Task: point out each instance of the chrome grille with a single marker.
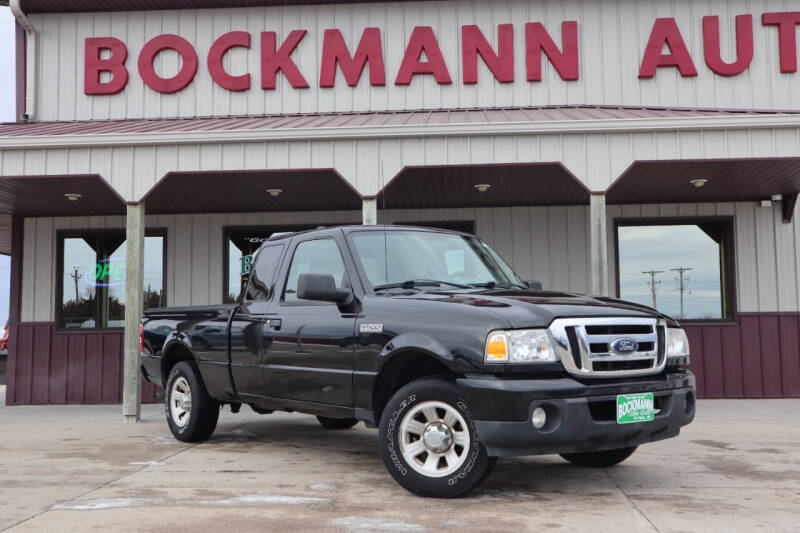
(585, 345)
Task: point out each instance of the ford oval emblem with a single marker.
(624, 346)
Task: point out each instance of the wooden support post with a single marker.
(134, 296)
(369, 211)
(598, 253)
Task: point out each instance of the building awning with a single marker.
(520, 120)
(721, 180)
(483, 186)
(252, 191)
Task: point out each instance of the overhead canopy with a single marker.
(509, 185)
(728, 180)
(50, 196)
(247, 191)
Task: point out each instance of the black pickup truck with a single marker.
(431, 337)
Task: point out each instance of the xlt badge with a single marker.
(371, 328)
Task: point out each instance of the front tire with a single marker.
(603, 459)
(429, 442)
(337, 423)
(191, 413)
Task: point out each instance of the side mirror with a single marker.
(535, 285)
(322, 288)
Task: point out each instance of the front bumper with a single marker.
(580, 417)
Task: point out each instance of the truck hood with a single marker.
(528, 308)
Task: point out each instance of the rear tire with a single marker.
(603, 459)
(337, 423)
(191, 413)
(429, 442)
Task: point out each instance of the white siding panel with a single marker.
(548, 244)
(612, 38)
(766, 259)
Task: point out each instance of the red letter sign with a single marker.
(218, 51)
(666, 32)
(272, 61)
(787, 38)
(334, 50)
(422, 40)
(167, 42)
(93, 65)
(744, 45)
(474, 44)
(537, 40)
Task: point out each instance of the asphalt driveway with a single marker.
(737, 468)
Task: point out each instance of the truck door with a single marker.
(247, 334)
(311, 356)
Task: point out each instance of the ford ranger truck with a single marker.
(431, 337)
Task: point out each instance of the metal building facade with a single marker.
(609, 134)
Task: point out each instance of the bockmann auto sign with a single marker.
(107, 67)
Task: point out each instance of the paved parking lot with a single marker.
(737, 468)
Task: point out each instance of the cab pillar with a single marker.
(369, 211)
(598, 246)
(134, 296)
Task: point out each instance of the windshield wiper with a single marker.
(498, 284)
(417, 283)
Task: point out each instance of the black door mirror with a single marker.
(322, 288)
(535, 285)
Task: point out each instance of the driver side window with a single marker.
(319, 256)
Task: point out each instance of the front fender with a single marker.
(458, 357)
(417, 342)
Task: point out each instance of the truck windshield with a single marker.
(421, 259)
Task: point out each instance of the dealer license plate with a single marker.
(632, 408)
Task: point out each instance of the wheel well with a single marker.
(175, 354)
(401, 370)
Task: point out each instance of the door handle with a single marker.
(274, 324)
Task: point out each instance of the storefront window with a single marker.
(92, 272)
(682, 269)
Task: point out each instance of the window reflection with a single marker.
(241, 244)
(678, 269)
(93, 278)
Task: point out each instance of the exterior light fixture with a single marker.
(482, 187)
(72, 196)
(274, 192)
(777, 197)
(698, 182)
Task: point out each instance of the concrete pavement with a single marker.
(736, 468)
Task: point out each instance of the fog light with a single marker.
(539, 418)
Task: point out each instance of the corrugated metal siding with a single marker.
(544, 243)
(613, 36)
(767, 250)
(47, 367)
(5, 234)
(758, 356)
(548, 244)
(58, 6)
(596, 159)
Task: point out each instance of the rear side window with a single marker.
(314, 257)
(260, 285)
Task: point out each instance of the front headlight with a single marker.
(677, 343)
(520, 346)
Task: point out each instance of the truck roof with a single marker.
(322, 230)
